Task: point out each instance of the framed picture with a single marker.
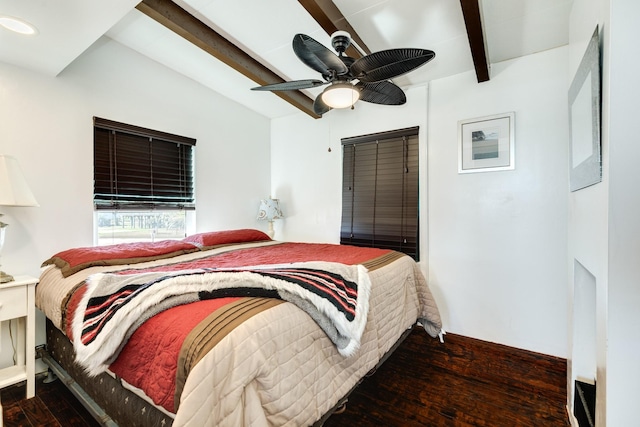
(584, 120)
(486, 144)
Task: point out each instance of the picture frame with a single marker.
(487, 144)
(585, 155)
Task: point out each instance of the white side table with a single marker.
(17, 301)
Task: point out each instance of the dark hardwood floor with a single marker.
(463, 382)
(53, 405)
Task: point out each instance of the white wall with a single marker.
(47, 124)
(498, 239)
(588, 217)
(623, 369)
(604, 230)
(493, 245)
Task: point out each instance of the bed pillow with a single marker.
(73, 260)
(216, 238)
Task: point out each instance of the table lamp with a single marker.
(269, 211)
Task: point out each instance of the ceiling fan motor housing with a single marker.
(340, 40)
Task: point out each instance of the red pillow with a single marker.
(217, 238)
(73, 260)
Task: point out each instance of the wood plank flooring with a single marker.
(53, 406)
(463, 382)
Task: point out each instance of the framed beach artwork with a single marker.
(486, 144)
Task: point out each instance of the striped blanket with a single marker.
(335, 295)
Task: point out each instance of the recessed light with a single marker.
(17, 25)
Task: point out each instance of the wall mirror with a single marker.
(584, 119)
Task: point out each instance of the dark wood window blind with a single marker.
(138, 168)
(380, 191)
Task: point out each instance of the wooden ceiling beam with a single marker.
(473, 22)
(195, 31)
(327, 14)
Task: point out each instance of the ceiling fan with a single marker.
(349, 79)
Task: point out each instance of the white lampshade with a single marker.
(340, 95)
(269, 210)
(14, 190)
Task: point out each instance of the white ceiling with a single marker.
(66, 28)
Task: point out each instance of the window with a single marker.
(115, 226)
(380, 191)
(143, 183)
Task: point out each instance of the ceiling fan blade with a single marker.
(294, 85)
(318, 57)
(319, 107)
(383, 92)
(387, 64)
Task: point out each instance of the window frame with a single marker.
(174, 178)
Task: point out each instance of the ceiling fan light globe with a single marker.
(340, 95)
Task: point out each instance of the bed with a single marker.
(227, 328)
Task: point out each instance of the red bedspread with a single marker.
(278, 254)
(149, 359)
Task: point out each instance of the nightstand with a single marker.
(17, 301)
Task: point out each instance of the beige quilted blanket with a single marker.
(294, 374)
